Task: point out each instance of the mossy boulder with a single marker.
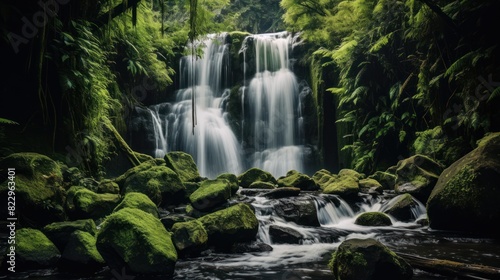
(120, 180)
(160, 183)
(137, 241)
(170, 220)
(386, 179)
(138, 201)
(346, 184)
(34, 250)
(233, 181)
(373, 219)
(60, 232)
(262, 186)
(108, 186)
(296, 179)
(38, 183)
(368, 259)
(351, 173)
(86, 204)
(369, 185)
(255, 175)
(402, 208)
(321, 176)
(191, 187)
(230, 225)
(184, 165)
(190, 237)
(467, 194)
(81, 254)
(210, 194)
(417, 175)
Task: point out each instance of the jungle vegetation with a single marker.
(407, 76)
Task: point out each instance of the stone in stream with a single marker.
(401, 207)
(296, 179)
(373, 219)
(255, 175)
(81, 254)
(346, 184)
(169, 221)
(467, 194)
(284, 235)
(183, 164)
(60, 232)
(136, 240)
(387, 180)
(300, 210)
(189, 238)
(34, 250)
(138, 201)
(210, 194)
(370, 185)
(282, 192)
(262, 185)
(368, 259)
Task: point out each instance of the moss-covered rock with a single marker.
(81, 253)
(120, 180)
(138, 201)
(320, 176)
(296, 179)
(88, 204)
(60, 232)
(184, 165)
(368, 185)
(189, 237)
(210, 194)
(34, 250)
(170, 220)
(262, 186)
(344, 186)
(162, 185)
(233, 181)
(373, 219)
(467, 193)
(401, 207)
(191, 187)
(417, 175)
(230, 225)
(255, 175)
(108, 186)
(351, 173)
(387, 180)
(136, 240)
(368, 259)
(38, 187)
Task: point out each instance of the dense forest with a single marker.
(383, 114)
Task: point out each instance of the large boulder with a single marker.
(386, 179)
(210, 194)
(284, 235)
(368, 259)
(81, 253)
(233, 181)
(345, 184)
(370, 185)
(34, 250)
(138, 201)
(255, 175)
(467, 194)
(373, 219)
(162, 185)
(189, 237)
(300, 210)
(296, 179)
(86, 204)
(417, 175)
(403, 208)
(60, 232)
(120, 180)
(170, 220)
(231, 225)
(37, 181)
(184, 165)
(137, 241)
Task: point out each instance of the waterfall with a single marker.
(331, 213)
(275, 114)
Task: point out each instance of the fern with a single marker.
(7, 122)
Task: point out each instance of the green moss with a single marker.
(138, 240)
(233, 181)
(108, 186)
(387, 180)
(120, 180)
(189, 235)
(89, 204)
(34, 248)
(373, 219)
(351, 173)
(342, 185)
(184, 165)
(211, 193)
(82, 249)
(60, 232)
(255, 175)
(296, 179)
(262, 185)
(370, 183)
(138, 201)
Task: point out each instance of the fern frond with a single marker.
(6, 121)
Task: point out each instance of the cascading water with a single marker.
(213, 145)
(273, 98)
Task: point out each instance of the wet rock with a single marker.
(228, 226)
(136, 240)
(59, 233)
(108, 186)
(250, 247)
(34, 250)
(210, 194)
(300, 210)
(296, 179)
(387, 180)
(262, 186)
(282, 192)
(81, 254)
(183, 164)
(255, 175)
(159, 183)
(189, 238)
(467, 193)
(370, 185)
(284, 235)
(373, 219)
(120, 180)
(400, 207)
(138, 201)
(368, 259)
(417, 175)
(233, 181)
(169, 221)
(38, 187)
